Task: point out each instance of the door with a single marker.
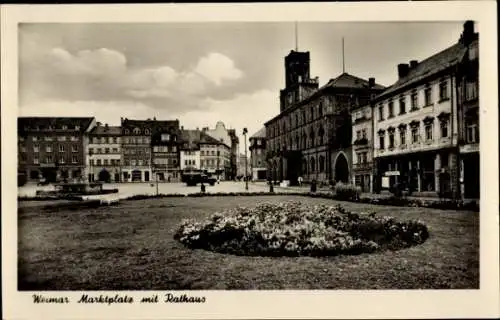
(146, 176)
(117, 177)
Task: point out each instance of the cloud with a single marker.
(217, 67)
(103, 75)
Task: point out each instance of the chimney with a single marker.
(371, 82)
(98, 124)
(182, 127)
(413, 64)
(468, 33)
(403, 69)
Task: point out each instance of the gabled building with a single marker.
(258, 163)
(136, 149)
(53, 148)
(311, 136)
(165, 140)
(189, 148)
(104, 154)
(416, 123)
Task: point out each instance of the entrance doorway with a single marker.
(341, 169)
(471, 176)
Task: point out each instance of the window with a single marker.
(48, 139)
(414, 101)
(74, 138)
(147, 131)
(165, 137)
(471, 90)
(185, 162)
(23, 149)
(35, 148)
(428, 95)
(137, 131)
(380, 113)
(358, 135)
(391, 139)
(48, 149)
(444, 129)
(115, 150)
(133, 162)
(443, 90)
(428, 131)
(61, 148)
(402, 105)
(106, 150)
(174, 149)
(391, 109)
(35, 160)
(95, 140)
(65, 127)
(414, 135)
(77, 128)
(312, 165)
(402, 136)
(363, 134)
(140, 162)
(381, 141)
(61, 138)
(105, 162)
(320, 111)
(202, 153)
(98, 162)
(74, 148)
(35, 139)
(117, 161)
(99, 150)
(472, 132)
(321, 164)
(62, 160)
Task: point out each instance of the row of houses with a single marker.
(136, 151)
(421, 132)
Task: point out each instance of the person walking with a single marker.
(300, 181)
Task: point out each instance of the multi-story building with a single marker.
(136, 150)
(165, 144)
(258, 163)
(311, 136)
(228, 139)
(189, 148)
(214, 156)
(53, 148)
(468, 114)
(104, 154)
(362, 150)
(415, 123)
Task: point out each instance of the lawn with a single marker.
(131, 247)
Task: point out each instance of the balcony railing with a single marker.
(363, 165)
(361, 142)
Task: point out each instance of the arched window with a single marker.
(304, 166)
(312, 136)
(321, 134)
(137, 131)
(320, 110)
(126, 131)
(146, 131)
(297, 141)
(312, 165)
(321, 163)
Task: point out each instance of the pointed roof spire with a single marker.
(296, 36)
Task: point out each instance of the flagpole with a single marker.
(343, 56)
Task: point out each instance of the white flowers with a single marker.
(290, 228)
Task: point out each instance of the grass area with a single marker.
(131, 247)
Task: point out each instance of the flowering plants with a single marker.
(293, 229)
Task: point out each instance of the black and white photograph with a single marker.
(185, 156)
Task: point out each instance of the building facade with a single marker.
(229, 139)
(104, 154)
(136, 150)
(53, 149)
(362, 150)
(214, 157)
(258, 164)
(244, 169)
(234, 160)
(468, 115)
(311, 137)
(189, 149)
(165, 140)
(416, 125)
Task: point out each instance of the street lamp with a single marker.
(245, 131)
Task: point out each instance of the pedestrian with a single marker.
(300, 181)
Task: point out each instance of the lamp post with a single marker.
(90, 165)
(245, 131)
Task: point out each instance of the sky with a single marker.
(201, 73)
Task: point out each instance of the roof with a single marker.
(207, 139)
(346, 80)
(190, 139)
(428, 67)
(106, 130)
(343, 81)
(259, 134)
(150, 123)
(57, 123)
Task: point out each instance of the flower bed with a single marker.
(293, 229)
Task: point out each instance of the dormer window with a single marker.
(147, 131)
(77, 128)
(126, 131)
(65, 127)
(137, 131)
